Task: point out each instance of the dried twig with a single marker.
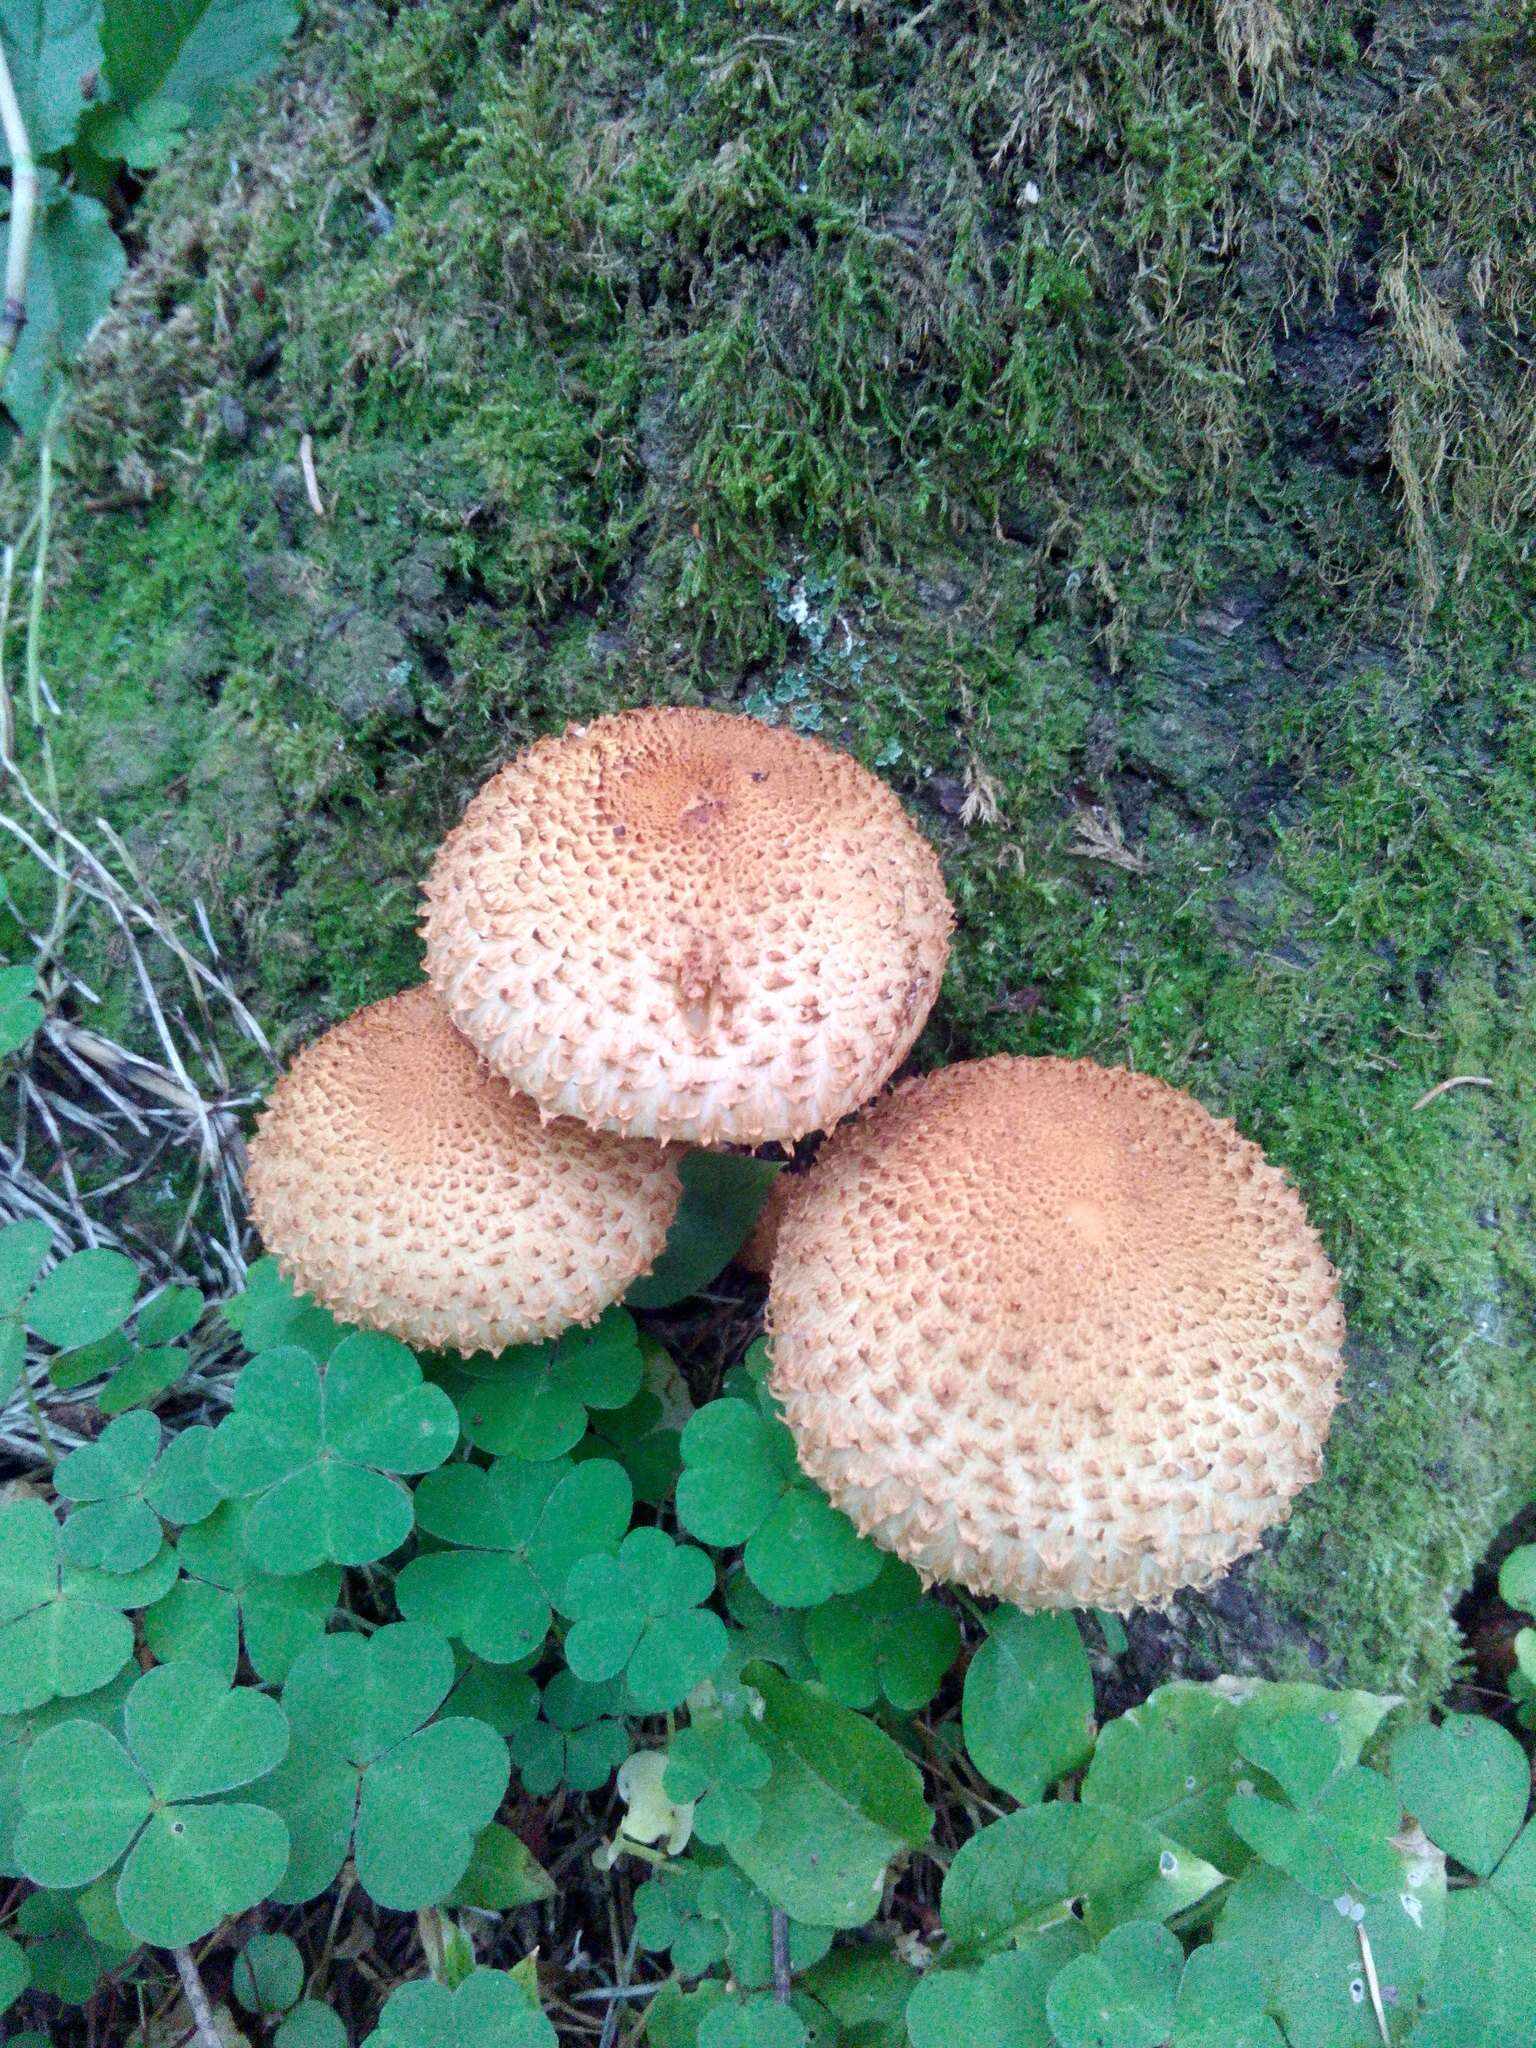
(1456, 1081)
(18, 255)
(311, 481)
(197, 1999)
(781, 1971)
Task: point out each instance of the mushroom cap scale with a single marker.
(688, 925)
(1054, 1331)
(408, 1189)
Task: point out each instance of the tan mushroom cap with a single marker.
(408, 1189)
(757, 1254)
(1055, 1332)
(688, 925)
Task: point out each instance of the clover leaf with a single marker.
(116, 1530)
(269, 1313)
(644, 1434)
(85, 1298)
(20, 1012)
(1123, 1994)
(705, 1913)
(72, 1940)
(62, 1628)
(1027, 1710)
(23, 1248)
(371, 1769)
(18, 1732)
(759, 2022)
(717, 1765)
(490, 2009)
(142, 1378)
(517, 1530)
(189, 1858)
(179, 1490)
(1466, 1783)
(639, 1613)
(1001, 2000)
(268, 1975)
(887, 1639)
(532, 1401)
(1307, 1950)
(310, 2025)
(740, 1484)
(497, 1694)
(318, 1448)
(15, 1971)
(224, 1596)
(576, 1742)
(1221, 2005)
(1337, 1840)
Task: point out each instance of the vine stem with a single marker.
(197, 1998)
(13, 316)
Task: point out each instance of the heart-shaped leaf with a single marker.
(58, 1633)
(1027, 1710)
(1467, 1783)
(1122, 1995)
(1342, 1844)
(842, 1800)
(23, 1248)
(741, 1484)
(488, 2010)
(1172, 1762)
(1000, 2001)
(269, 1974)
(117, 1530)
(889, 1639)
(532, 1402)
(723, 1193)
(279, 1616)
(86, 1297)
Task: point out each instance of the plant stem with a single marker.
(781, 1971)
(13, 316)
(45, 1442)
(197, 1999)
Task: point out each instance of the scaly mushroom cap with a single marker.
(1054, 1331)
(757, 1254)
(688, 925)
(408, 1189)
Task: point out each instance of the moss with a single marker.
(1106, 421)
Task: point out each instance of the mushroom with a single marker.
(756, 1255)
(408, 1189)
(1054, 1331)
(688, 925)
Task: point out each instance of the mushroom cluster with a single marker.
(666, 926)
(1045, 1328)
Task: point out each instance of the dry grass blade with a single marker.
(93, 1119)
